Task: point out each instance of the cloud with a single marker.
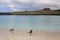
(24, 1)
(5, 1)
(39, 4)
(17, 5)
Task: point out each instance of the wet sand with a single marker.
(24, 35)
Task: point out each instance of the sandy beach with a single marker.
(24, 35)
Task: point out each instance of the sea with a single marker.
(35, 22)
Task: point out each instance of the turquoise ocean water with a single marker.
(35, 22)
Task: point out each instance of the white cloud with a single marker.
(5, 1)
(24, 1)
(54, 4)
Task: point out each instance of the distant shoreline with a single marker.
(45, 11)
(25, 14)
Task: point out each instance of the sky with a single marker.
(22, 5)
(41, 23)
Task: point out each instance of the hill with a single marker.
(45, 11)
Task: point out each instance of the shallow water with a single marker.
(35, 22)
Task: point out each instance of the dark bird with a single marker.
(30, 32)
(12, 29)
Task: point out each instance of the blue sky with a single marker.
(42, 23)
(20, 5)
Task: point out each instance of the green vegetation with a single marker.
(45, 11)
